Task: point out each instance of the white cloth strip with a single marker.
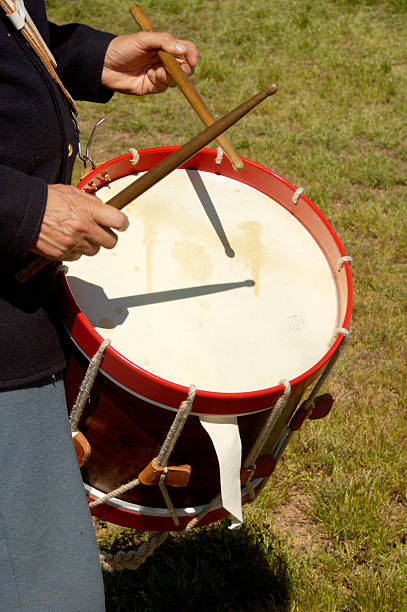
(225, 436)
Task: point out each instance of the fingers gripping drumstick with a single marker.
(187, 88)
(167, 165)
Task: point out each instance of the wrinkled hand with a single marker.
(132, 65)
(76, 223)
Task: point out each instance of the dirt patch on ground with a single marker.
(293, 519)
(103, 528)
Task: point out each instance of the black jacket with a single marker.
(35, 132)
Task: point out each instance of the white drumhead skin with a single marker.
(174, 303)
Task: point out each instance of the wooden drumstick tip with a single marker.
(271, 88)
(237, 165)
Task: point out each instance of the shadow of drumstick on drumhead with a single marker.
(210, 209)
(109, 312)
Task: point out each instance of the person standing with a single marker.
(48, 552)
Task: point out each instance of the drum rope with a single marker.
(308, 405)
(79, 406)
(342, 260)
(115, 493)
(309, 402)
(296, 195)
(135, 156)
(219, 156)
(250, 488)
(176, 427)
(132, 559)
(167, 498)
(168, 446)
(87, 385)
(164, 454)
(208, 508)
(264, 434)
(253, 454)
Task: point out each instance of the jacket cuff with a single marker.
(22, 205)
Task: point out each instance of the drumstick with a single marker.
(187, 88)
(188, 150)
(166, 166)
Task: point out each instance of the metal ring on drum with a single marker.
(221, 281)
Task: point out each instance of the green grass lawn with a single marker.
(329, 531)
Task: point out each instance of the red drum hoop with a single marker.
(147, 392)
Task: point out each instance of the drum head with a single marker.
(214, 284)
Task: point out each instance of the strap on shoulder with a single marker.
(17, 13)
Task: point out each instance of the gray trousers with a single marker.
(48, 552)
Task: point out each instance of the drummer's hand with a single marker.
(132, 65)
(76, 223)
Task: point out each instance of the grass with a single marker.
(201, 572)
(329, 531)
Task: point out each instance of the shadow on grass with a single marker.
(213, 569)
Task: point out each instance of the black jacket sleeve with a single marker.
(38, 143)
(22, 209)
(35, 127)
(79, 51)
